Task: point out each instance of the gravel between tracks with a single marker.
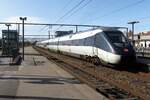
(132, 82)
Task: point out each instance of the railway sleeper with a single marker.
(111, 91)
(118, 95)
(104, 85)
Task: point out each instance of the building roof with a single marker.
(11, 31)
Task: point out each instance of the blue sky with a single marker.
(99, 12)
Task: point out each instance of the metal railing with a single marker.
(143, 52)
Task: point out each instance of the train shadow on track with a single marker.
(134, 68)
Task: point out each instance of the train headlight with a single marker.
(126, 50)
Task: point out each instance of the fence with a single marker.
(143, 52)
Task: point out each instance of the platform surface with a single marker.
(39, 79)
(144, 60)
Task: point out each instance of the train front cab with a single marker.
(122, 47)
(114, 48)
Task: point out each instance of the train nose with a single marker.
(128, 59)
(128, 56)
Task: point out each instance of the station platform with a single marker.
(144, 60)
(39, 79)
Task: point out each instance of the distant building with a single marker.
(10, 40)
(62, 33)
(142, 40)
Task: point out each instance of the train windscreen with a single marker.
(116, 37)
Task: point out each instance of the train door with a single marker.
(57, 44)
(95, 49)
(70, 44)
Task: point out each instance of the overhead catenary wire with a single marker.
(140, 19)
(144, 18)
(75, 11)
(114, 11)
(77, 5)
(43, 28)
(143, 21)
(64, 7)
(118, 10)
(57, 28)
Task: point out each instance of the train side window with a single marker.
(92, 40)
(53, 43)
(89, 41)
(69, 42)
(86, 42)
(63, 42)
(75, 42)
(72, 42)
(101, 42)
(141, 45)
(149, 45)
(60, 43)
(81, 42)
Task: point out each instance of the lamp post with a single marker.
(23, 19)
(76, 28)
(49, 32)
(8, 25)
(132, 23)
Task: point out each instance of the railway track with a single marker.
(114, 84)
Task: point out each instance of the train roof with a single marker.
(102, 28)
(84, 34)
(95, 30)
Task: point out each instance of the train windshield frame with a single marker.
(116, 37)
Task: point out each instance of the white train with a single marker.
(97, 45)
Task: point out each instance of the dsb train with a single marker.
(108, 46)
